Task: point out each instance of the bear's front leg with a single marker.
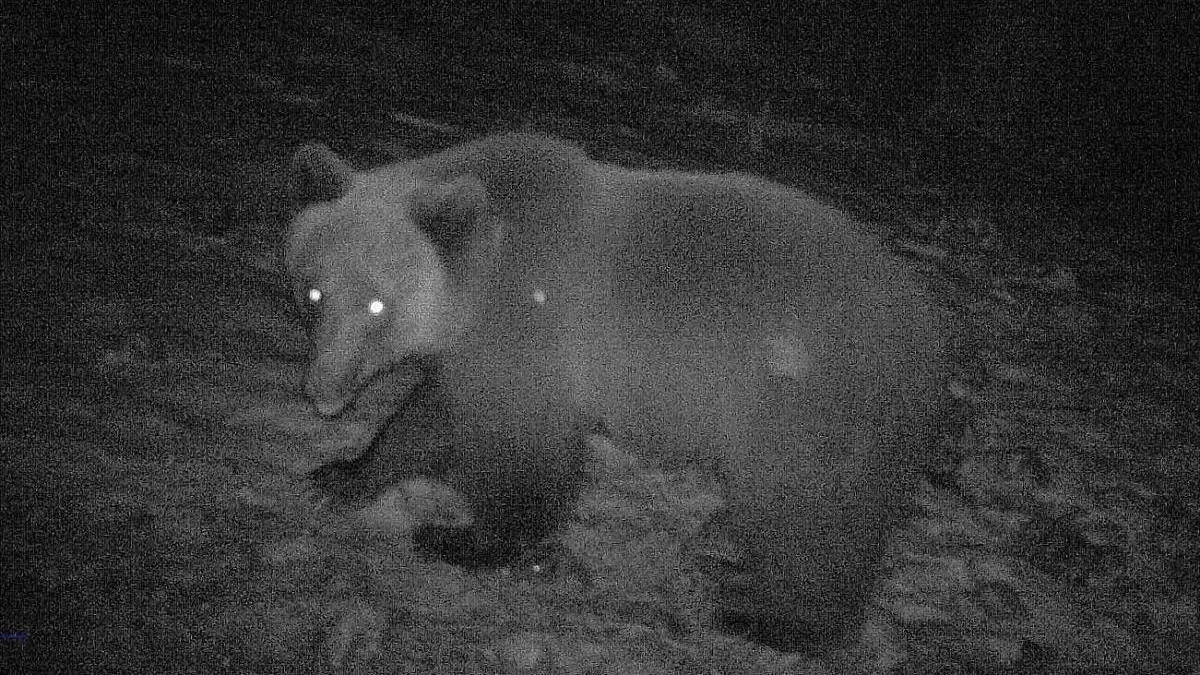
(521, 489)
(414, 442)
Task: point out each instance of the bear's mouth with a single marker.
(339, 395)
(331, 398)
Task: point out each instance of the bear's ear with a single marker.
(452, 214)
(318, 175)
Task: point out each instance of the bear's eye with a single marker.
(376, 307)
(313, 296)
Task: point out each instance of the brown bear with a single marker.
(700, 316)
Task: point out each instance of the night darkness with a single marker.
(172, 504)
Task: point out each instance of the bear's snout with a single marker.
(330, 383)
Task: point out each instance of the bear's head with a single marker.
(376, 257)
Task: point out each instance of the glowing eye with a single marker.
(313, 295)
(539, 297)
(375, 307)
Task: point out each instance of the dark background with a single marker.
(1081, 110)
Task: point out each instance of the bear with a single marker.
(703, 317)
(518, 493)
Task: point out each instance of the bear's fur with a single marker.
(701, 316)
